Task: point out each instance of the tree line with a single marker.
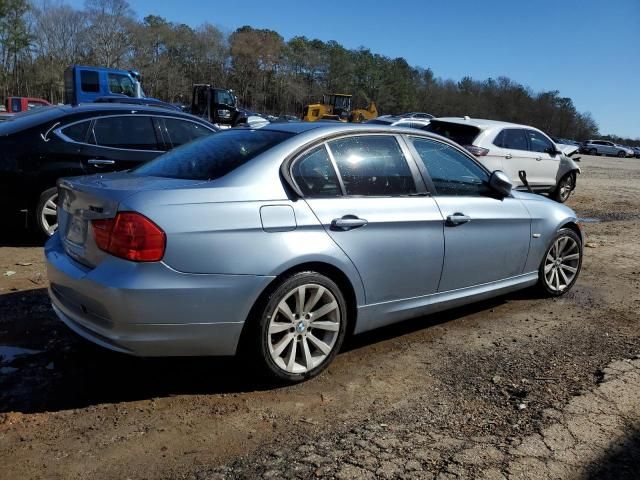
(269, 74)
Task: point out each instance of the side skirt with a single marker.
(385, 313)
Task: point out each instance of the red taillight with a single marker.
(477, 151)
(130, 235)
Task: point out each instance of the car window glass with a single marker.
(372, 165)
(77, 131)
(89, 81)
(16, 104)
(512, 138)
(131, 131)
(224, 97)
(452, 172)
(121, 84)
(213, 156)
(314, 174)
(461, 134)
(538, 142)
(183, 131)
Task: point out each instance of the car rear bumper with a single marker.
(150, 309)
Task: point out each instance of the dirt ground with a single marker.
(515, 387)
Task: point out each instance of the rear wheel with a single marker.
(46, 213)
(565, 186)
(301, 328)
(561, 263)
(593, 152)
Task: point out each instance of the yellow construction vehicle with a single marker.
(337, 106)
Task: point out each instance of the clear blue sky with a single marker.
(588, 50)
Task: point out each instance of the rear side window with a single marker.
(314, 174)
(77, 132)
(461, 134)
(512, 138)
(538, 142)
(452, 172)
(372, 165)
(89, 81)
(213, 156)
(127, 131)
(183, 131)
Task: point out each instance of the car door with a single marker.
(512, 155)
(364, 192)
(486, 238)
(121, 142)
(547, 161)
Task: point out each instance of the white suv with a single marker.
(514, 148)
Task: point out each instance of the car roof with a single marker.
(481, 123)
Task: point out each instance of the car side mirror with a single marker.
(500, 183)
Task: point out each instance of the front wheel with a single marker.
(621, 154)
(301, 328)
(46, 212)
(593, 152)
(561, 263)
(566, 185)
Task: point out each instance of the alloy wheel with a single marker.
(49, 215)
(566, 187)
(304, 328)
(561, 263)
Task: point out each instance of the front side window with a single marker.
(214, 156)
(126, 131)
(372, 165)
(16, 104)
(223, 97)
(89, 81)
(452, 172)
(183, 131)
(314, 174)
(512, 138)
(538, 142)
(121, 84)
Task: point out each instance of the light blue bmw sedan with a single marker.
(284, 239)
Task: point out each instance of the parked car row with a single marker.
(605, 147)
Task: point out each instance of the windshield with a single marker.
(213, 156)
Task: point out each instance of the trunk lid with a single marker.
(83, 199)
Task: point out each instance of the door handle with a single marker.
(457, 219)
(347, 222)
(100, 163)
(538, 158)
(508, 156)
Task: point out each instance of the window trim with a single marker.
(287, 166)
(161, 141)
(304, 153)
(425, 173)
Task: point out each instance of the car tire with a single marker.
(565, 187)
(593, 152)
(45, 213)
(621, 154)
(561, 263)
(291, 344)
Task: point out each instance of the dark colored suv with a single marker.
(38, 147)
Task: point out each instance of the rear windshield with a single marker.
(461, 134)
(213, 156)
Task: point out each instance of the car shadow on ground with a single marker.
(16, 234)
(58, 370)
(622, 459)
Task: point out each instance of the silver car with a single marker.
(284, 239)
